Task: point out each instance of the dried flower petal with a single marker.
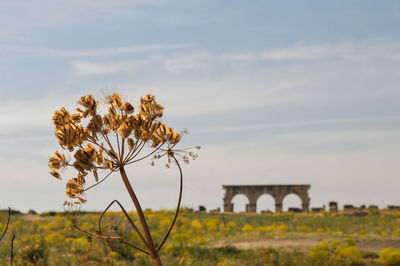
(55, 174)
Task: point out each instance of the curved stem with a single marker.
(8, 222)
(127, 216)
(110, 238)
(177, 207)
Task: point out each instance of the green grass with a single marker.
(49, 239)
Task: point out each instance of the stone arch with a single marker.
(261, 199)
(288, 197)
(278, 192)
(241, 197)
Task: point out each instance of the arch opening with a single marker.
(239, 202)
(265, 203)
(291, 201)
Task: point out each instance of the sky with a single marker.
(288, 92)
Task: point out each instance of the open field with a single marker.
(342, 238)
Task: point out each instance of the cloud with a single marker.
(201, 84)
(290, 53)
(22, 118)
(349, 50)
(87, 68)
(48, 14)
(106, 52)
(235, 128)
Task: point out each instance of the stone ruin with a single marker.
(253, 192)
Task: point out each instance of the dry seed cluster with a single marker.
(87, 134)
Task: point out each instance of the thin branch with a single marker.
(137, 151)
(8, 222)
(93, 141)
(177, 207)
(108, 142)
(119, 149)
(134, 148)
(122, 150)
(104, 178)
(144, 157)
(127, 216)
(110, 238)
(12, 249)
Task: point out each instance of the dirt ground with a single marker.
(304, 244)
(33, 217)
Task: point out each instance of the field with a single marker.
(371, 237)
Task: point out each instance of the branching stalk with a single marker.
(127, 216)
(110, 238)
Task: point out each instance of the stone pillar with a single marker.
(305, 205)
(228, 207)
(278, 203)
(251, 207)
(305, 202)
(252, 195)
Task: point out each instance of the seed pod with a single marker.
(128, 108)
(131, 143)
(96, 177)
(116, 101)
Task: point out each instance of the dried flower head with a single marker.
(109, 141)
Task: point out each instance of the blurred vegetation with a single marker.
(205, 238)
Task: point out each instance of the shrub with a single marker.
(196, 224)
(390, 256)
(349, 242)
(349, 255)
(282, 228)
(247, 228)
(320, 253)
(211, 224)
(303, 229)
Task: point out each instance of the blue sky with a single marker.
(275, 93)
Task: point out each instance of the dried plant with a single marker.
(106, 142)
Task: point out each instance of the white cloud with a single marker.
(349, 50)
(105, 52)
(87, 68)
(25, 116)
(235, 128)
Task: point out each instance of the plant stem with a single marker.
(157, 261)
(177, 207)
(153, 251)
(12, 250)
